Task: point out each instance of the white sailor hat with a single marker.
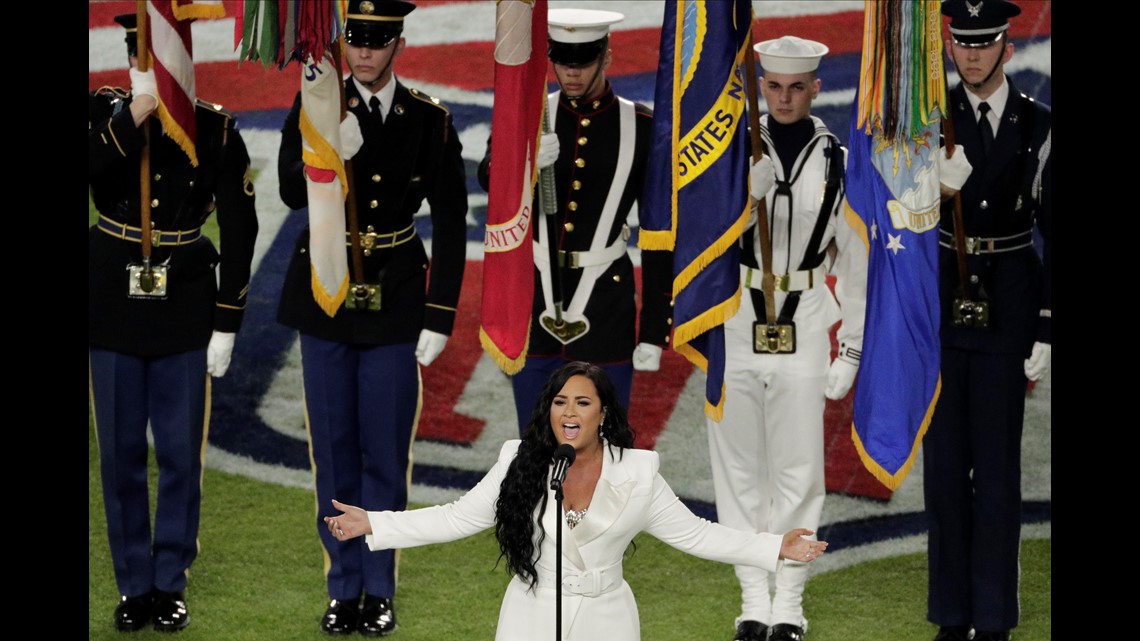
(790, 54)
(578, 36)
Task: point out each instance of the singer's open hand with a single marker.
(349, 525)
(797, 548)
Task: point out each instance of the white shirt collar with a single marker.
(386, 95)
(996, 101)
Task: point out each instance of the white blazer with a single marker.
(597, 603)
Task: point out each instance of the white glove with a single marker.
(218, 353)
(351, 138)
(762, 177)
(840, 377)
(1037, 365)
(143, 83)
(646, 357)
(953, 172)
(547, 150)
(430, 345)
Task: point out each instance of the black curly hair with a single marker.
(523, 494)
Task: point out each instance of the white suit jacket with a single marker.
(597, 603)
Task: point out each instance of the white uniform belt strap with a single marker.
(594, 582)
(792, 282)
(581, 259)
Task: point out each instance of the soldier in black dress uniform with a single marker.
(995, 332)
(602, 142)
(361, 380)
(155, 335)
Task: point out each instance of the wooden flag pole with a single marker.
(768, 281)
(146, 279)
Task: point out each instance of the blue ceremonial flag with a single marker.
(696, 193)
(893, 195)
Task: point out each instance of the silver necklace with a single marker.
(573, 518)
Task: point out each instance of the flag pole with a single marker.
(959, 226)
(549, 203)
(768, 281)
(146, 278)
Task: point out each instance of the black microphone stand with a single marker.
(558, 561)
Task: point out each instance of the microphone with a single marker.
(563, 458)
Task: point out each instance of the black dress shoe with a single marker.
(786, 632)
(341, 616)
(751, 631)
(377, 616)
(170, 613)
(133, 612)
(992, 636)
(954, 633)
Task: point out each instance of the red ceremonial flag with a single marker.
(171, 52)
(516, 121)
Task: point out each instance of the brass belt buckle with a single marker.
(155, 238)
(777, 338)
(363, 297)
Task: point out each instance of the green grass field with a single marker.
(259, 577)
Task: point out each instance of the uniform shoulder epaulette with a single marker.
(416, 93)
(114, 92)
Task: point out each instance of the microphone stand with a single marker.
(558, 562)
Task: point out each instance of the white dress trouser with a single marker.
(767, 457)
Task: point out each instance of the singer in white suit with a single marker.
(611, 493)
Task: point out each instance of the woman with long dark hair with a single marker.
(611, 493)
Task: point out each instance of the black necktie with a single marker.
(985, 127)
(374, 112)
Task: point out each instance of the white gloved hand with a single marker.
(548, 149)
(218, 353)
(762, 177)
(646, 357)
(351, 138)
(840, 377)
(143, 83)
(953, 172)
(430, 345)
(1037, 365)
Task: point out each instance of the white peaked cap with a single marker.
(790, 54)
(575, 26)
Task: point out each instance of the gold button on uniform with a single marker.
(585, 122)
(582, 140)
(581, 162)
(617, 278)
(576, 185)
(157, 177)
(154, 203)
(373, 205)
(572, 206)
(375, 178)
(568, 227)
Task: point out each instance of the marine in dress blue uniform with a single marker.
(361, 380)
(603, 142)
(148, 355)
(972, 450)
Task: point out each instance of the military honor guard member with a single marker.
(585, 299)
(361, 379)
(995, 328)
(767, 452)
(162, 318)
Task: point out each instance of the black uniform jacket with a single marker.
(413, 155)
(182, 198)
(1007, 194)
(588, 135)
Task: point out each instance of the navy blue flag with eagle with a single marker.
(696, 193)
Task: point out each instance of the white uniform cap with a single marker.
(790, 54)
(575, 26)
